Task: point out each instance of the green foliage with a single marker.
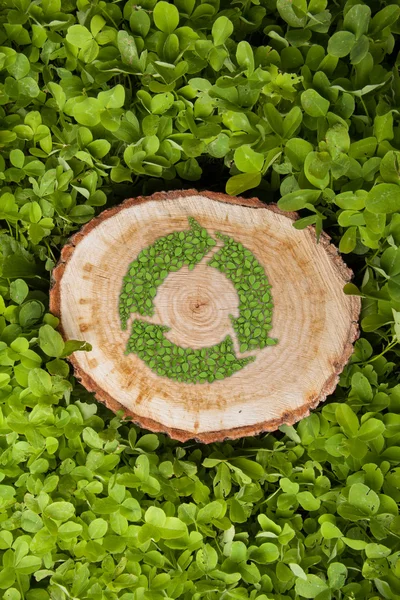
(248, 276)
(203, 365)
(291, 100)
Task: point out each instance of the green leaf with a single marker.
(57, 93)
(17, 158)
(329, 531)
(298, 571)
(18, 291)
(88, 112)
(69, 530)
(351, 200)
(292, 122)
(161, 103)
(337, 574)
(27, 86)
(91, 438)
(166, 17)
(390, 261)
(297, 150)
(240, 183)
(98, 528)
(360, 50)
(20, 67)
(50, 341)
(172, 529)
(384, 198)
(384, 18)
(298, 199)
(39, 382)
(96, 24)
(374, 550)
(222, 29)
(31, 522)
(316, 169)
(310, 588)
(78, 35)
(357, 19)
(245, 56)
(105, 506)
(266, 553)
(206, 558)
(289, 487)
(390, 167)
(60, 511)
(383, 127)
(249, 467)
(140, 23)
(28, 565)
(375, 222)
(363, 498)
(361, 387)
(338, 139)
(341, 43)
(394, 289)
(7, 578)
(293, 12)
(348, 240)
(274, 118)
(155, 516)
(238, 552)
(308, 501)
(347, 420)
(128, 49)
(363, 148)
(189, 170)
(30, 312)
(370, 430)
(12, 594)
(99, 148)
(247, 160)
(148, 443)
(354, 543)
(131, 510)
(373, 322)
(219, 147)
(71, 346)
(314, 104)
(112, 98)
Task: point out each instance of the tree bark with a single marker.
(250, 264)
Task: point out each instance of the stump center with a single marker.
(199, 305)
(196, 306)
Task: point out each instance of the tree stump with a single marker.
(210, 317)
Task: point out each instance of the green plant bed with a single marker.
(288, 101)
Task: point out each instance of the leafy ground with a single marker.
(101, 100)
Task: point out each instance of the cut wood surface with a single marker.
(313, 321)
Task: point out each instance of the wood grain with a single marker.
(314, 321)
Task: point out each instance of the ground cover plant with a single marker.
(292, 101)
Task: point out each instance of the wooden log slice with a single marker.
(210, 317)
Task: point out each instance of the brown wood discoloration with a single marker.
(315, 323)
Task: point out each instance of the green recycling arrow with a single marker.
(150, 269)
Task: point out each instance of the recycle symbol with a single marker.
(169, 254)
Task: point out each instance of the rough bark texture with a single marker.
(314, 321)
